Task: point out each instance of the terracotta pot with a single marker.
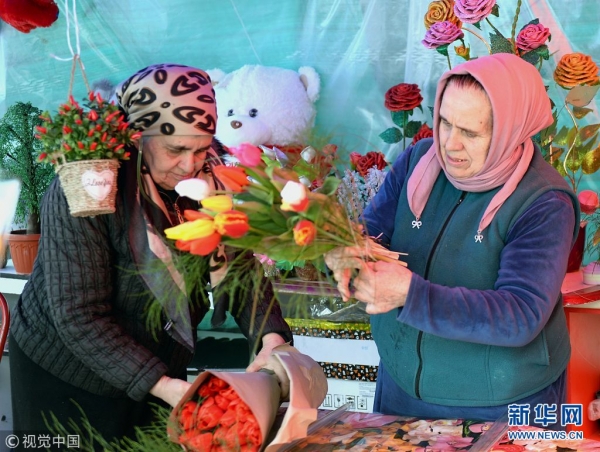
(576, 254)
(23, 250)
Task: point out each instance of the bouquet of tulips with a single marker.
(268, 210)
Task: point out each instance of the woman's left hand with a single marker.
(269, 342)
(383, 286)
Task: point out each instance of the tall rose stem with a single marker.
(448, 58)
(404, 130)
(571, 177)
(480, 38)
(514, 27)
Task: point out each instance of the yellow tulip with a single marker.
(191, 230)
(217, 203)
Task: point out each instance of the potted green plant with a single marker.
(19, 152)
(85, 145)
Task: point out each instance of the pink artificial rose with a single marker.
(247, 154)
(473, 11)
(442, 33)
(531, 37)
(588, 201)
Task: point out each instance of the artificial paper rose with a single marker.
(424, 132)
(532, 36)
(305, 232)
(293, 197)
(473, 11)
(232, 223)
(247, 154)
(575, 69)
(233, 177)
(588, 201)
(363, 163)
(442, 33)
(440, 11)
(463, 52)
(403, 97)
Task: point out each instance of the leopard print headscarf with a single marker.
(169, 99)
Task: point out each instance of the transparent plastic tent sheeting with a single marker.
(9, 195)
(360, 48)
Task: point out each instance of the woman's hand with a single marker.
(343, 262)
(383, 286)
(269, 342)
(171, 390)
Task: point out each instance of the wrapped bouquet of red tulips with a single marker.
(267, 209)
(235, 411)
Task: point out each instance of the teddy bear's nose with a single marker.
(236, 124)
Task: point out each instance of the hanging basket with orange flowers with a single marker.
(85, 144)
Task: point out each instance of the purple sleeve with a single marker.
(532, 269)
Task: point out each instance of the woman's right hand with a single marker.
(342, 262)
(171, 390)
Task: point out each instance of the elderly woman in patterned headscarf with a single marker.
(81, 330)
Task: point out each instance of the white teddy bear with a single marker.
(265, 105)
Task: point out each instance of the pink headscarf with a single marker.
(520, 109)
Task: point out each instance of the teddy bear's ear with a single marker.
(216, 76)
(311, 81)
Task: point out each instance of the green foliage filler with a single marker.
(19, 150)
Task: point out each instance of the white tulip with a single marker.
(308, 154)
(196, 189)
(293, 193)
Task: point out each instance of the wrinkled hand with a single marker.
(344, 262)
(171, 390)
(269, 342)
(383, 286)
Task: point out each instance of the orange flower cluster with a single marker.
(218, 420)
(441, 11)
(576, 69)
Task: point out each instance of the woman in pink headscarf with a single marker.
(475, 323)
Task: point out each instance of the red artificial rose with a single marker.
(424, 132)
(531, 37)
(403, 97)
(370, 160)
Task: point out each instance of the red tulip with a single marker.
(232, 223)
(233, 177)
(305, 232)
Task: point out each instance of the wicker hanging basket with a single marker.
(90, 186)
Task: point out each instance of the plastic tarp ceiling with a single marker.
(360, 48)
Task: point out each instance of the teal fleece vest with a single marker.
(444, 251)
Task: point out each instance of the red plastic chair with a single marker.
(4, 323)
